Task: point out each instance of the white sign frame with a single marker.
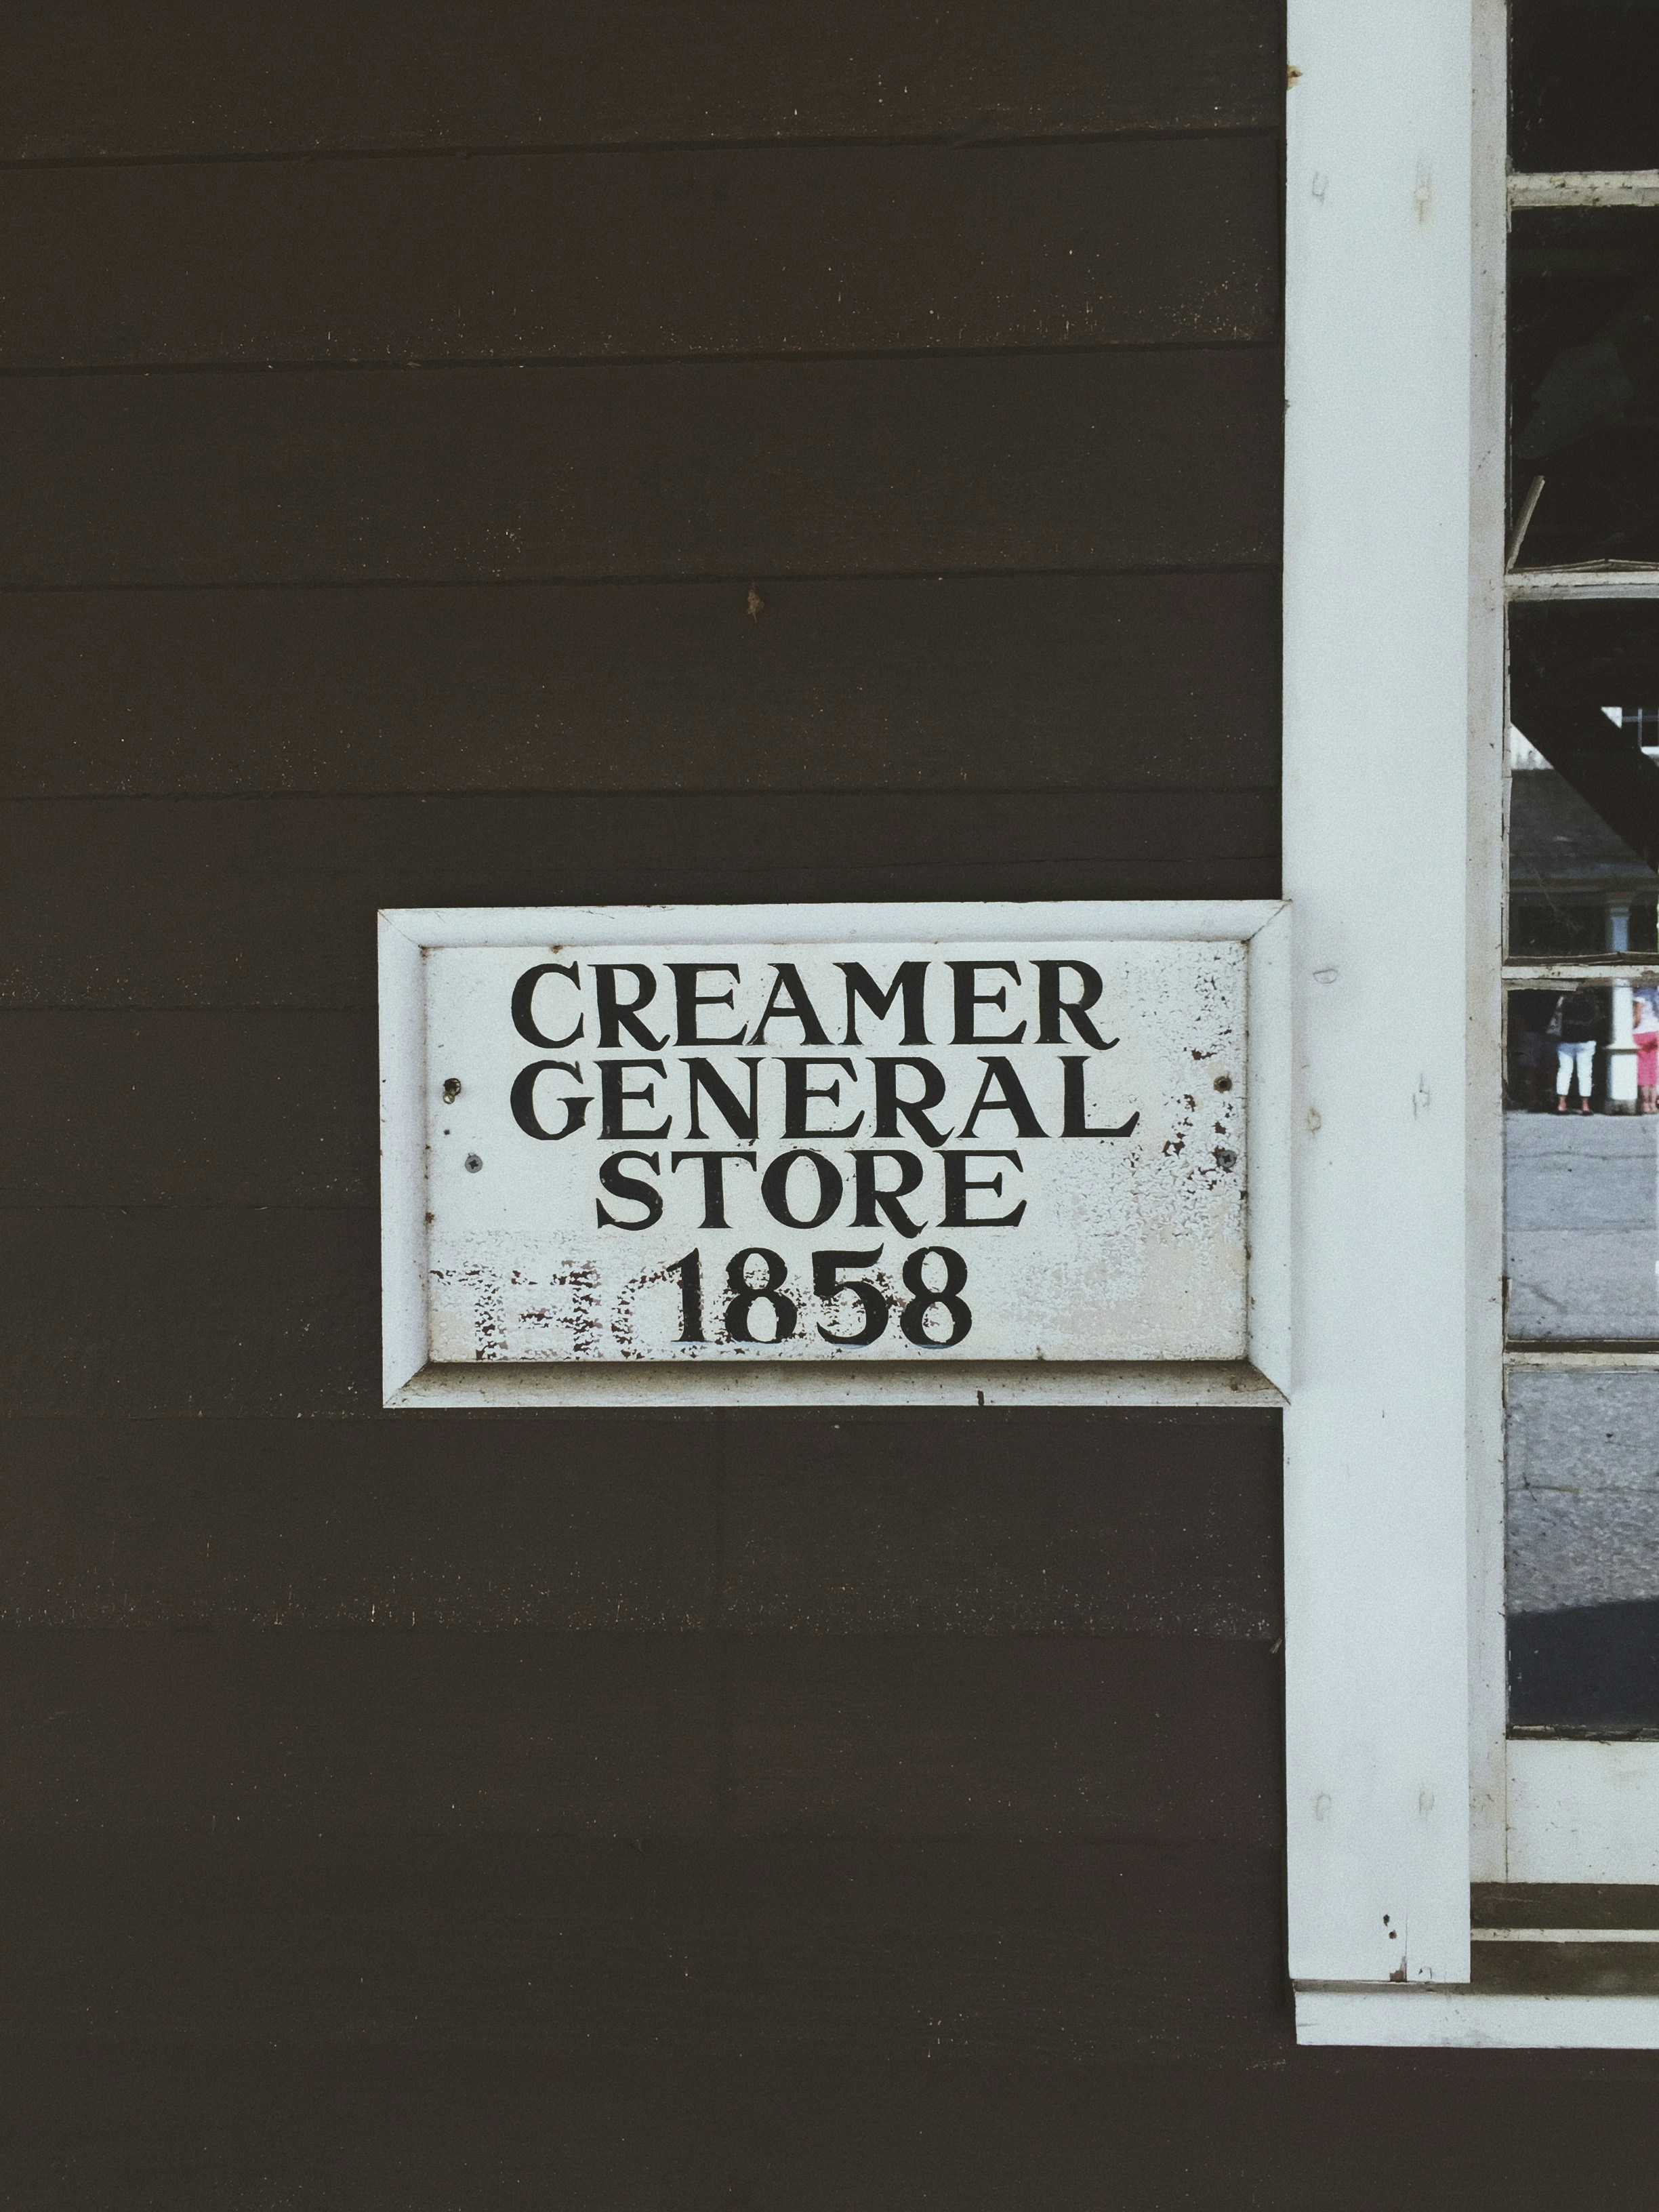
(412, 1382)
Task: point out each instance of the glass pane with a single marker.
(1583, 372)
(1583, 1550)
(1583, 779)
(1581, 1165)
(1582, 78)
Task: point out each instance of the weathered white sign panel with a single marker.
(661, 1141)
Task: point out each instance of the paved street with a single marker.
(1582, 1218)
(1582, 1224)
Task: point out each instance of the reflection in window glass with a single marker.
(1583, 779)
(1581, 1542)
(1581, 79)
(1583, 366)
(1581, 1084)
(1581, 1165)
(1576, 887)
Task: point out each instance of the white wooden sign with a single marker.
(650, 1155)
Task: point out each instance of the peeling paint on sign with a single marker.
(901, 1152)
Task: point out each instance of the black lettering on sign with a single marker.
(689, 1271)
(1051, 1006)
(615, 1100)
(890, 1105)
(969, 998)
(630, 1187)
(714, 1181)
(796, 1007)
(870, 1199)
(828, 1268)
(913, 1320)
(742, 1121)
(1009, 1099)
(522, 1099)
(798, 1092)
(745, 1296)
(1076, 1114)
(689, 1000)
(800, 1142)
(774, 1190)
(958, 1184)
(908, 981)
(614, 1016)
(524, 1004)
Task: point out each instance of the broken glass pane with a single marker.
(1583, 369)
(1582, 78)
(1582, 1545)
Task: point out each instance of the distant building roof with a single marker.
(1558, 842)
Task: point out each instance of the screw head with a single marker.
(452, 1089)
(473, 1164)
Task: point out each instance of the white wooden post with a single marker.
(1377, 865)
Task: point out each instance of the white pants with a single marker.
(1567, 1056)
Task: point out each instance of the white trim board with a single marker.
(1585, 188)
(1392, 565)
(1151, 919)
(1582, 1811)
(1395, 747)
(411, 1383)
(403, 1141)
(1528, 975)
(1470, 2020)
(1566, 1934)
(1608, 580)
(1635, 1355)
(1172, 1383)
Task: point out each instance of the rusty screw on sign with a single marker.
(452, 1089)
(473, 1164)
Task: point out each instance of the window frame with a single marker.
(1402, 1785)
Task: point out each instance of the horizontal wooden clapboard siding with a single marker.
(901, 1525)
(1029, 461)
(846, 465)
(998, 683)
(1106, 1524)
(495, 1524)
(244, 902)
(236, 76)
(188, 1110)
(911, 2101)
(581, 256)
(359, 1731)
(190, 1309)
(675, 1951)
(1047, 1523)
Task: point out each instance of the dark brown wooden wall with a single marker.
(562, 450)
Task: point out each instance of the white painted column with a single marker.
(1387, 890)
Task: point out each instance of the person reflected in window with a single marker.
(1573, 1025)
(1645, 1036)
